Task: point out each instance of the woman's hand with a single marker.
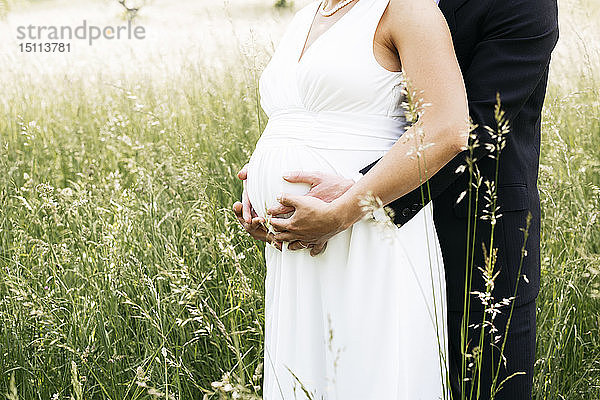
(255, 227)
(314, 221)
(247, 212)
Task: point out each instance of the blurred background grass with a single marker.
(124, 274)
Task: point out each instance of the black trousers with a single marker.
(519, 352)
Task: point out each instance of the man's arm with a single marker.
(511, 59)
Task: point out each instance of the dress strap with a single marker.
(368, 17)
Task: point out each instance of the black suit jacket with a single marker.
(504, 47)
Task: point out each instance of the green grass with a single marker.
(117, 239)
(568, 365)
(119, 252)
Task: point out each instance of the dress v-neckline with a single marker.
(304, 50)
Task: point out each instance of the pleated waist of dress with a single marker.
(332, 130)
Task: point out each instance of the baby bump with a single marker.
(269, 163)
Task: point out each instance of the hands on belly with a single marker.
(322, 186)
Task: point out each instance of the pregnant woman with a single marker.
(365, 318)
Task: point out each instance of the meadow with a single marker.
(123, 271)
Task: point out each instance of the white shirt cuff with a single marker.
(357, 177)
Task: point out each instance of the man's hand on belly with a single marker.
(326, 187)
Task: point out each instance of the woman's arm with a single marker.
(419, 32)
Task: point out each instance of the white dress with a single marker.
(366, 319)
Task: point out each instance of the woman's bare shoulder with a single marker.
(402, 18)
(403, 9)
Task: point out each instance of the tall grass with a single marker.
(124, 275)
(568, 353)
(118, 248)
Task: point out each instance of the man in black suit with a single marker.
(503, 48)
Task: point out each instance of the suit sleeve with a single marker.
(511, 59)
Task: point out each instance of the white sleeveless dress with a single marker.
(366, 319)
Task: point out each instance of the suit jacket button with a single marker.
(416, 207)
(406, 212)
